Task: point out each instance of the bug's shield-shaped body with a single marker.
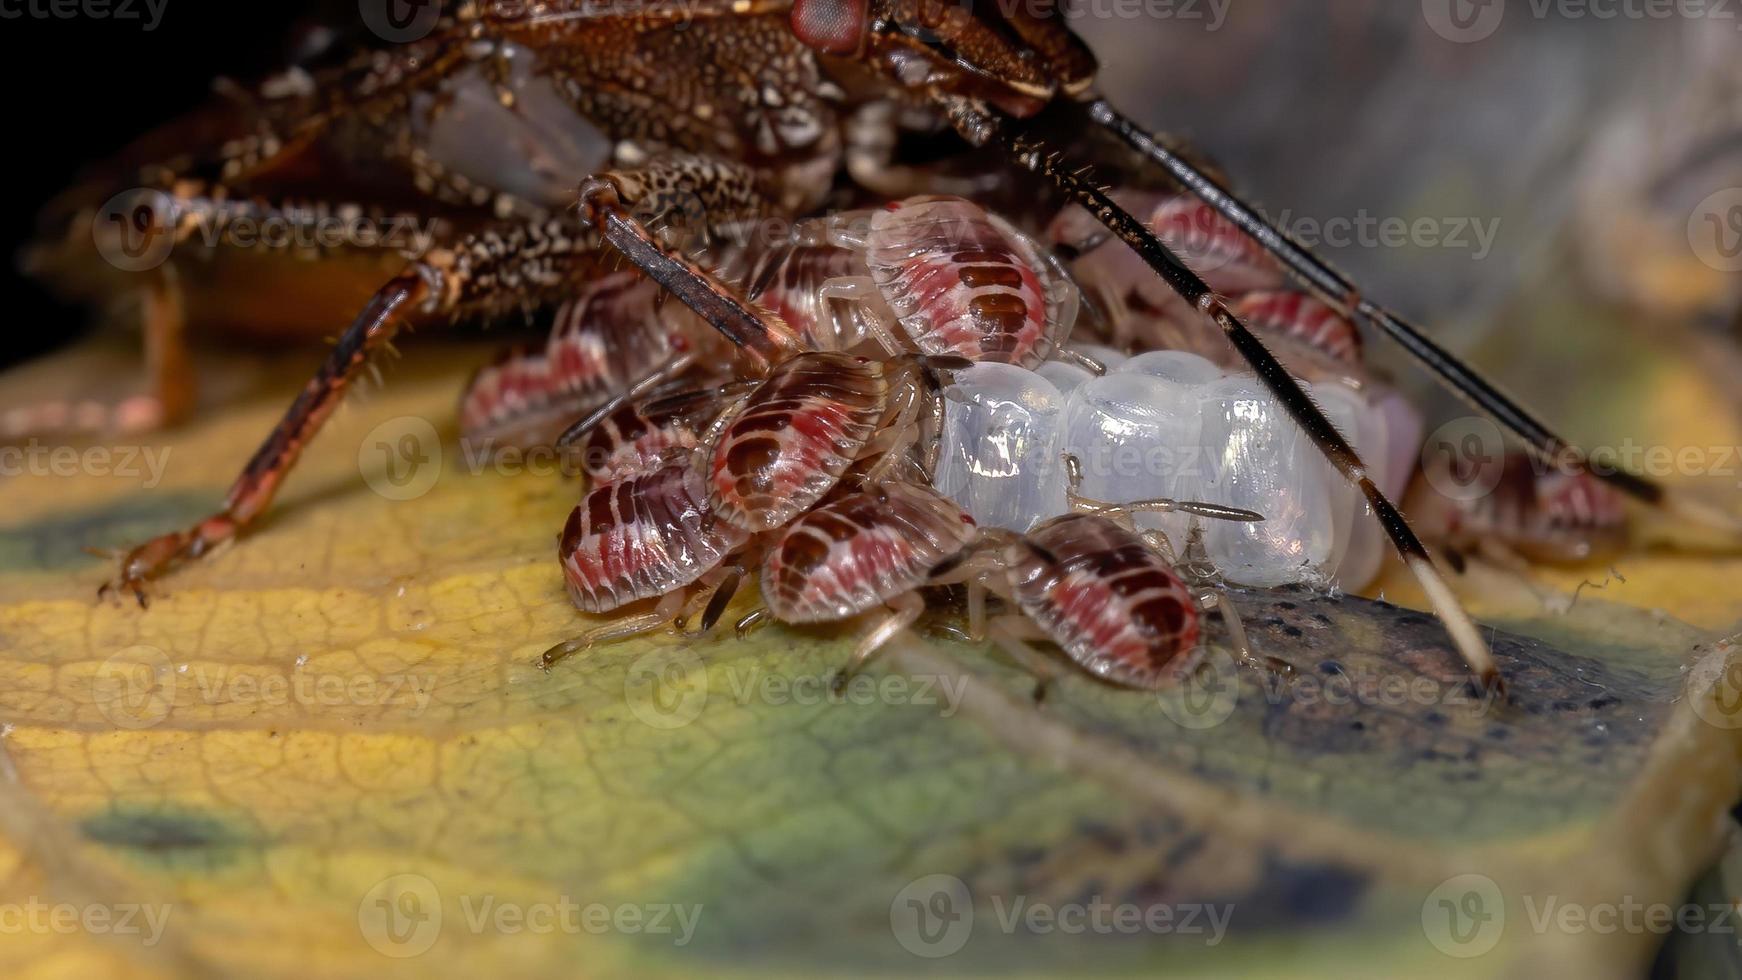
(601, 341)
(964, 282)
(1303, 319)
(642, 537)
(1544, 515)
(796, 435)
(857, 552)
(1228, 259)
(1107, 599)
(629, 442)
(788, 281)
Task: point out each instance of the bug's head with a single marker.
(1014, 55)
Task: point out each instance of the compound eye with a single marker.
(831, 26)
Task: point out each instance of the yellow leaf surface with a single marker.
(326, 752)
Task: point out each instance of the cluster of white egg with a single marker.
(1170, 424)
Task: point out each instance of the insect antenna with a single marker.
(1460, 378)
(979, 126)
(646, 387)
(745, 326)
(721, 598)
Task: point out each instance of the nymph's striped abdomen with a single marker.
(856, 553)
(628, 443)
(964, 282)
(796, 435)
(642, 537)
(601, 343)
(1107, 599)
(1302, 318)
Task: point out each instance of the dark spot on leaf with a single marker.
(56, 543)
(1302, 893)
(157, 832)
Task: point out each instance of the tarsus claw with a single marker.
(155, 557)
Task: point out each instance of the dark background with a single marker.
(78, 89)
(1320, 109)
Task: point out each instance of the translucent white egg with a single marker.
(1178, 366)
(1357, 550)
(1137, 437)
(1171, 424)
(1261, 461)
(1390, 442)
(1065, 376)
(999, 457)
(1401, 449)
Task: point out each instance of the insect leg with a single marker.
(899, 431)
(166, 350)
(904, 611)
(721, 597)
(872, 133)
(753, 620)
(979, 127)
(486, 274)
(1336, 289)
(634, 393)
(170, 234)
(620, 203)
(1155, 505)
(166, 398)
(1013, 634)
(668, 607)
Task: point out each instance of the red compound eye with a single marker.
(830, 26)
